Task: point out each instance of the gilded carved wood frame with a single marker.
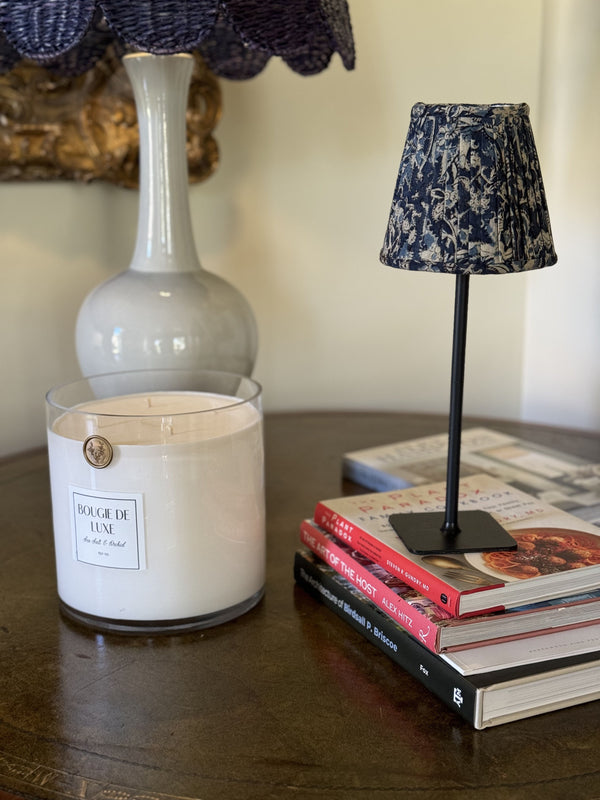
(85, 128)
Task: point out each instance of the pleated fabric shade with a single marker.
(235, 37)
(469, 197)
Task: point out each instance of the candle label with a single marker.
(108, 528)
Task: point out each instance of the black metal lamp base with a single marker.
(479, 531)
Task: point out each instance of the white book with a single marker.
(521, 652)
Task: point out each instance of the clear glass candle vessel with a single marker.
(157, 482)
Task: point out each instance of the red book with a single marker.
(385, 595)
(433, 626)
(558, 553)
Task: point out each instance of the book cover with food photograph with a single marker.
(558, 553)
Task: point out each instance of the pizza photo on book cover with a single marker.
(541, 551)
(557, 554)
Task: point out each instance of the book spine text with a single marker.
(409, 617)
(429, 669)
(391, 560)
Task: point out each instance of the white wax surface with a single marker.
(155, 418)
(201, 479)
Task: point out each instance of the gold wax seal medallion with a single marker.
(98, 451)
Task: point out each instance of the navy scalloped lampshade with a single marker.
(469, 198)
(235, 37)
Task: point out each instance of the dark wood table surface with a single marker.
(286, 701)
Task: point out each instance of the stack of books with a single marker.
(496, 636)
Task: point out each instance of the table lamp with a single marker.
(469, 200)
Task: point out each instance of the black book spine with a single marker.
(430, 670)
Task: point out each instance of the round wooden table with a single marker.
(286, 701)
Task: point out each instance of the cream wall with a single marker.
(295, 217)
(561, 377)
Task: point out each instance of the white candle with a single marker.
(173, 528)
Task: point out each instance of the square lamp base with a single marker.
(479, 531)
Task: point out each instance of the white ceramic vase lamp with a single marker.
(165, 310)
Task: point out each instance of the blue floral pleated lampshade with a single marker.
(469, 198)
(235, 37)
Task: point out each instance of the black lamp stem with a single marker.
(439, 532)
(461, 303)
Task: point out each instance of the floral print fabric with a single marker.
(469, 197)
